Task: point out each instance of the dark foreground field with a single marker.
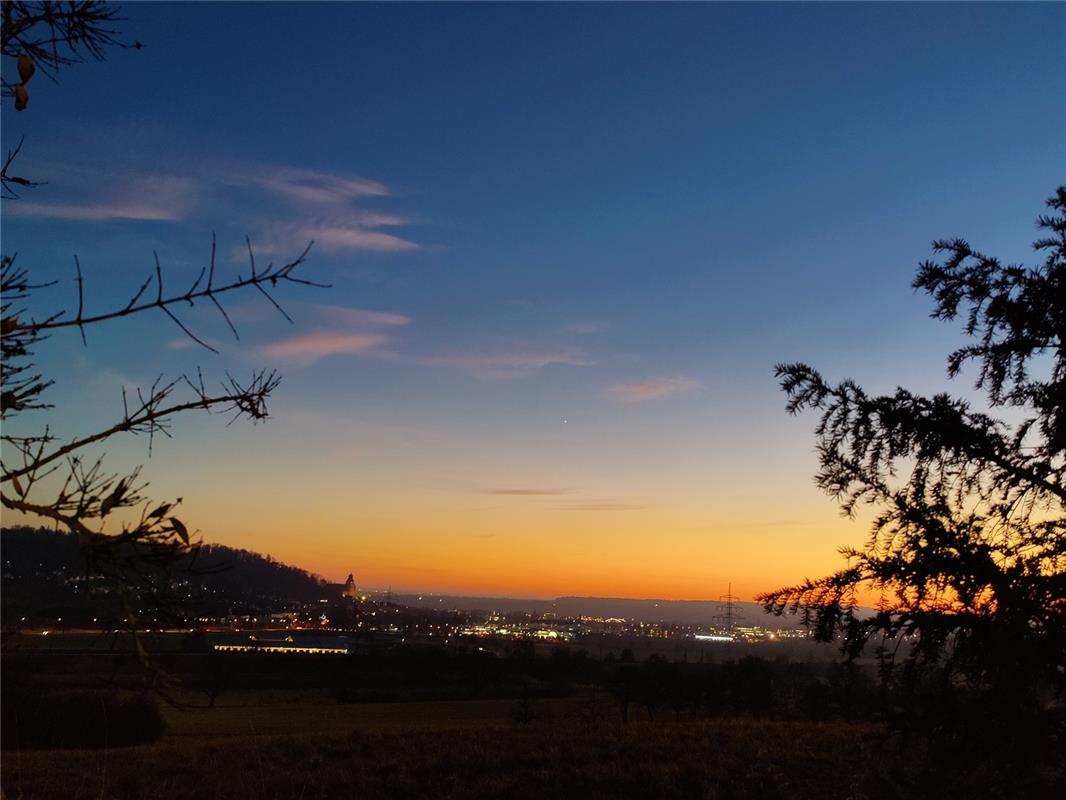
(711, 760)
(433, 724)
(411, 752)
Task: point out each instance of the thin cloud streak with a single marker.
(324, 314)
(308, 185)
(652, 388)
(311, 347)
(286, 204)
(320, 206)
(345, 238)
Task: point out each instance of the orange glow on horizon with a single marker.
(647, 554)
(557, 518)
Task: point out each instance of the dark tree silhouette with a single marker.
(968, 547)
(51, 35)
(54, 479)
(127, 538)
(46, 37)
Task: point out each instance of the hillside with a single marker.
(45, 576)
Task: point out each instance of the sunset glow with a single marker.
(565, 246)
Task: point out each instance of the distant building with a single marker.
(342, 591)
(350, 591)
(308, 645)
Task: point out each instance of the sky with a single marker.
(566, 246)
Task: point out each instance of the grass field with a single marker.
(246, 715)
(705, 760)
(276, 746)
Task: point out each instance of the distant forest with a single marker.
(45, 571)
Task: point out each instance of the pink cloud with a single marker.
(313, 346)
(343, 238)
(315, 186)
(327, 238)
(318, 205)
(652, 388)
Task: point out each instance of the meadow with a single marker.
(444, 750)
(299, 745)
(423, 723)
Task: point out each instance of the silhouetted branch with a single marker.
(272, 275)
(8, 180)
(968, 548)
(246, 400)
(58, 34)
(137, 558)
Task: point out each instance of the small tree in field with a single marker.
(128, 538)
(968, 547)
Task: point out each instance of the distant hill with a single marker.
(39, 565)
(244, 573)
(44, 572)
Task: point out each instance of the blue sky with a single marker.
(566, 243)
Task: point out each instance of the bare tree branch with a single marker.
(272, 276)
(9, 180)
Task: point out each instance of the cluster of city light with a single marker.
(516, 631)
(280, 648)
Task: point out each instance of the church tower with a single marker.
(350, 590)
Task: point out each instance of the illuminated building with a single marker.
(350, 591)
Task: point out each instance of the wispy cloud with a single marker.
(308, 185)
(311, 347)
(145, 197)
(349, 238)
(526, 492)
(317, 205)
(277, 205)
(343, 331)
(652, 388)
(324, 315)
(509, 364)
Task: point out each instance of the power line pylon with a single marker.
(727, 610)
